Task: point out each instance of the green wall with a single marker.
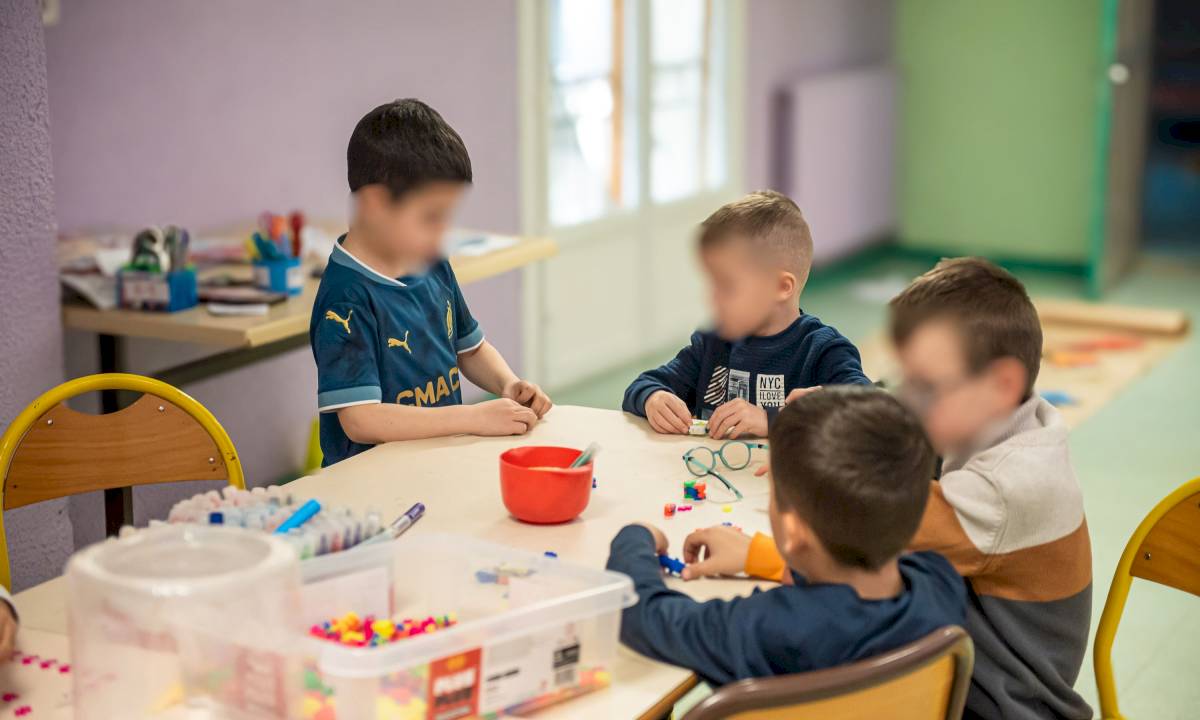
(998, 123)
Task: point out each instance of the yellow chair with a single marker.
(51, 451)
(1165, 548)
(924, 680)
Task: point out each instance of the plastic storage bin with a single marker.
(532, 630)
(183, 618)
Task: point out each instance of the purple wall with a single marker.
(787, 38)
(206, 113)
(30, 333)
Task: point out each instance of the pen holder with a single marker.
(158, 291)
(285, 276)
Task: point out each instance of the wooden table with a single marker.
(637, 472)
(241, 340)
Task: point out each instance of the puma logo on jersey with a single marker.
(344, 322)
(393, 342)
(449, 321)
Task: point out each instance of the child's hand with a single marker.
(529, 395)
(737, 418)
(801, 392)
(503, 417)
(725, 552)
(660, 540)
(8, 631)
(667, 413)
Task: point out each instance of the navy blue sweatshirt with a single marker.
(787, 629)
(760, 370)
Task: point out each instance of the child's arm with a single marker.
(942, 526)
(721, 640)
(678, 377)
(840, 364)
(8, 624)
(375, 423)
(486, 367)
(727, 551)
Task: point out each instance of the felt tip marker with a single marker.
(301, 516)
(399, 526)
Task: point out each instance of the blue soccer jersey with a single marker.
(382, 339)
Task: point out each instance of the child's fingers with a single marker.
(525, 415)
(680, 411)
(542, 405)
(525, 393)
(696, 541)
(762, 469)
(704, 568)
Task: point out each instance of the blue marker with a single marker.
(298, 518)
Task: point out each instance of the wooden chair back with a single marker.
(51, 451)
(924, 680)
(1165, 548)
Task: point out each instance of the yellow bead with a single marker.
(384, 628)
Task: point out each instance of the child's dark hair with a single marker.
(994, 314)
(856, 466)
(402, 145)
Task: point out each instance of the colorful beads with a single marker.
(369, 632)
(669, 510)
(694, 490)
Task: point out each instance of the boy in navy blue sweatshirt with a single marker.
(757, 252)
(850, 471)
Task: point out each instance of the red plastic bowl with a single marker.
(538, 487)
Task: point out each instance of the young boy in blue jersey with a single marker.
(390, 330)
(757, 252)
(850, 471)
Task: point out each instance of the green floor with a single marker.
(1128, 456)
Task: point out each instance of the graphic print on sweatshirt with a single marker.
(715, 393)
(739, 385)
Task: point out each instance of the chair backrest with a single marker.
(1165, 548)
(924, 680)
(51, 451)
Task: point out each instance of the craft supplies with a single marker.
(399, 526)
(350, 630)
(698, 427)
(1058, 398)
(211, 610)
(694, 490)
(673, 566)
(727, 508)
(669, 510)
(586, 456)
(330, 530)
(548, 635)
(683, 508)
(298, 518)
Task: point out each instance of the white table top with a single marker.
(457, 478)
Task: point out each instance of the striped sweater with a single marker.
(1009, 516)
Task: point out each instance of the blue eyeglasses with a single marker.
(734, 454)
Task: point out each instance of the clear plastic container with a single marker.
(181, 618)
(532, 630)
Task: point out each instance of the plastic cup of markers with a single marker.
(537, 486)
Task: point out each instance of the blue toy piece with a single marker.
(672, 565)
(550, 554)
(1058, 398)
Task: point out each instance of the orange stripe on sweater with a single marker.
(1051, 571)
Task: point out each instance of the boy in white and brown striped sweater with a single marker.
(1006, 510)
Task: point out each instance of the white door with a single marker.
(631, 135)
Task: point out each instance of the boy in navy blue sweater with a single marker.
(757, 253)
(850, 471)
